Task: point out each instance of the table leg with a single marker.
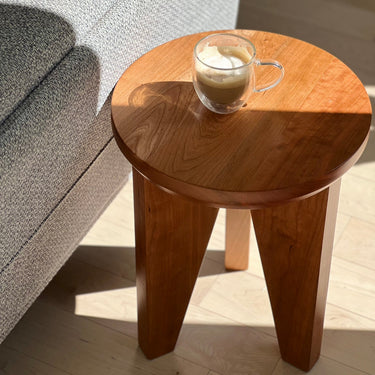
(237, 239)
(295, 243)
(172, 234)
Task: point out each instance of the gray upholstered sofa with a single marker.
(59, 165)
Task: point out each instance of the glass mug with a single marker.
(223, 72)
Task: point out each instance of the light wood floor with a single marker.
(85, 321)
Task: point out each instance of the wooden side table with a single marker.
(281, 157)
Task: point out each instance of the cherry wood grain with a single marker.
(237, 239)
(171, 239)
(287, 143)
(295, 243)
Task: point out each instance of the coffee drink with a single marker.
(222, 73)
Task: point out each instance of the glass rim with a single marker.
(225, 34)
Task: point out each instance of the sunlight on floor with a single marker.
(112, 306)
(108, 304)
(370, 90)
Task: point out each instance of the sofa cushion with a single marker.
(46, 144)
(32, 42)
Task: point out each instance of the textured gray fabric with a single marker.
(45, 145)
(82, 15)
(32, 42)
(131, 28)
(31, 270)
(120, 31)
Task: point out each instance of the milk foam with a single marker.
(224, 57)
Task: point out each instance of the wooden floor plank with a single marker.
(13, 362)
(225, 346)
(325, 366)
(78, 346)
(348, 338)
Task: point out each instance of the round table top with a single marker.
(286, 143)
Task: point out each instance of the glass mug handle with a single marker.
(276, 64)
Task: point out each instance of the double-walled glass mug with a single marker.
(223, 72)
